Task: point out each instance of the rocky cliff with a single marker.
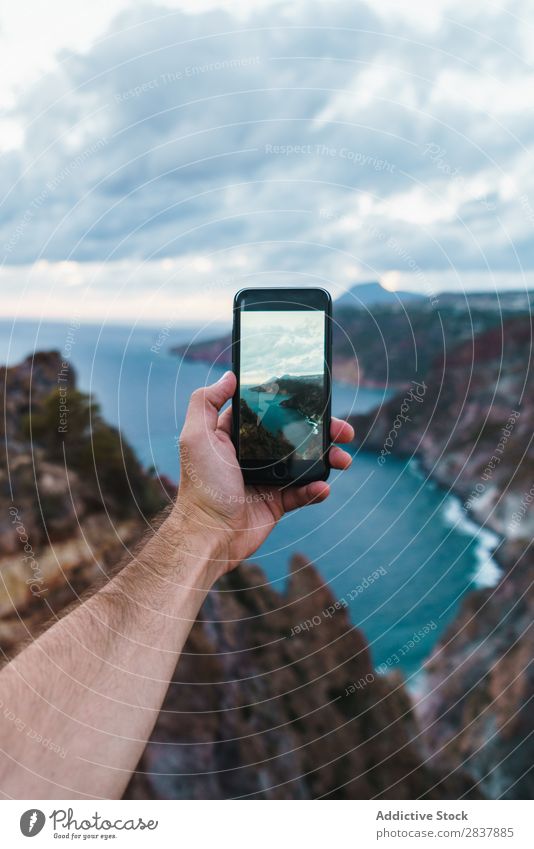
(476, 708)
(470, 424)
(262, 703)
(72, 494)
(260, 708)
(469, 421)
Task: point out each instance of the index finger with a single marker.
(341, 431)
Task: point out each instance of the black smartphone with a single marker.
(282, 355)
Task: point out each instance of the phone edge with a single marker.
(327, 442)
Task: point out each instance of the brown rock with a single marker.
(256, 712)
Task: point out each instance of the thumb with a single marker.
(205, 403)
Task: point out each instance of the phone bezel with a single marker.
(272, 300)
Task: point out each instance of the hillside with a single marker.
(253, 709)
(305, 394)
(79, 496)
(260, 713)
(372, 294)
(473, 432)
(256, 442)
(392, 344)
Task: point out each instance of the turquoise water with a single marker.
(386, 520)
(276, 418)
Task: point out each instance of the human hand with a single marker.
(212, 496)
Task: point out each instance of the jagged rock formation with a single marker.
(73, 496)
(252, 710)
(257, 712)
(472, 427)
(478, 708)
(473, 432)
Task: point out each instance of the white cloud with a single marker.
(285, 342)
(308, 144)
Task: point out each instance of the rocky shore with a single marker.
(472, 430)
(468, 420)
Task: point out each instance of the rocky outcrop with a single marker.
(479, 690)
(72, 493)
(472, 430)
(261, 707)
(471, 425)
(216, 351)
(265, 702)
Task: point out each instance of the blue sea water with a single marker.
(387, 521)
(275, 417)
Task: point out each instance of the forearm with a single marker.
(93, 684)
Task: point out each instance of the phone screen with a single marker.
(282, 385)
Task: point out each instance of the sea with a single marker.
(396, 549)
(277, 418)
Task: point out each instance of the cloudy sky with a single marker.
(273, 344)
(155, 157)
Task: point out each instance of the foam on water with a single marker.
(487, 572)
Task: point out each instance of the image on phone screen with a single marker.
(282, 384)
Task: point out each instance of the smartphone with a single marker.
(282, 355)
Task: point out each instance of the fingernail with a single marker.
(225, 375)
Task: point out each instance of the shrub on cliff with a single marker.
(86, 444)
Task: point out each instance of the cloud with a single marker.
(273, 344)
(306, 144)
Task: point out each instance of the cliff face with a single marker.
(217, 351)
(263, 708)
(264, 702)
(471, 425)
(71, 490)
(477, 707)
(472, 431)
